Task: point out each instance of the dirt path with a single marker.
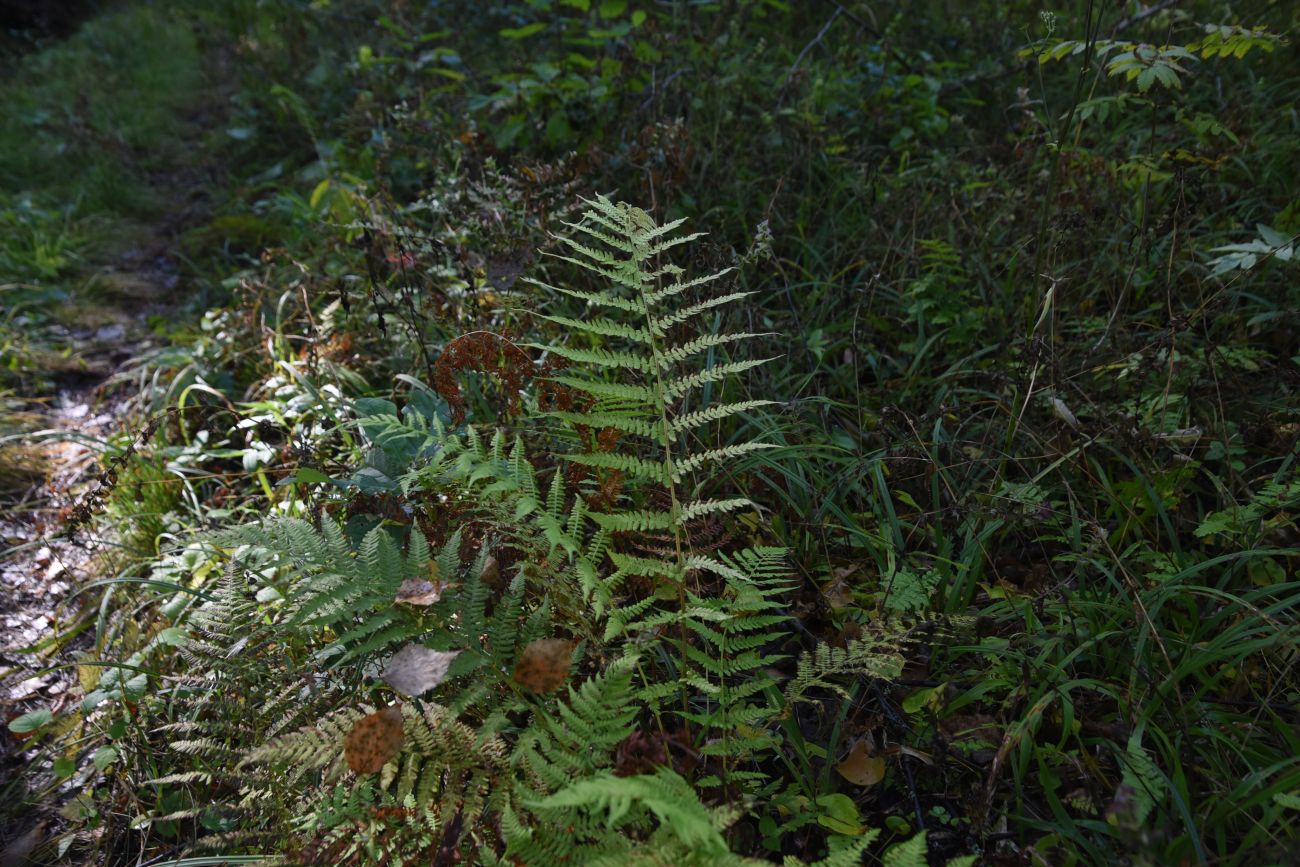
(67, 430)
(43, 622)
(51, 443)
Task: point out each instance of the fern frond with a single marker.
(626, 423)
(700, 508)
(605, 213)
(681, 286)
(603, 327)
(610, 238)
(659, 325)
(701, 459)
(648, 230)
(693, 420)
(825, 665)
(653, 250)
(684, 352)
(678, 387)
(616, 275)
(580, 737)
(644, 567)
(664, 794)
(846, 856)
(619, 390)
(643, 521)
(599, 358)
(640, 468)
(309, 748)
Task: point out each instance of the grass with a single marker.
(86, 120)
(89, 127)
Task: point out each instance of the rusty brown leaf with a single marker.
(543, 665)
(374, 740)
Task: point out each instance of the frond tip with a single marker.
(652, 359)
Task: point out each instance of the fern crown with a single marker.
(646, 371)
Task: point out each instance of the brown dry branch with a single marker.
(487, 352)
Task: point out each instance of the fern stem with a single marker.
(665, 441)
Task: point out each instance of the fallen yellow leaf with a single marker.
(860, 767)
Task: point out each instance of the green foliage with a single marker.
(826, 666)
(1009, 514)
(338, 604)
(1147, 65)
(117, 84)
(624, 801)
(1269, 244)
(348, 592)
(445, 768)
(580, 739)
(646, 386)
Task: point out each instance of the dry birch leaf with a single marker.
(416, 669)
(374, 740)
(491, 574)
(544, 665)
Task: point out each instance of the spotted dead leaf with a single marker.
(422, 591)
(544, 665)
(374, 740)
(416, 669)
(417, 591)
(860, 767)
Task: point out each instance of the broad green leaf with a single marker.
(523, 32)
(31, 721)
(104, 756)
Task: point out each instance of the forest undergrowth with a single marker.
(603, 432)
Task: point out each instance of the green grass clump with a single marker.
(84, 121)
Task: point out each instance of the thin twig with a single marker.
(839, 10)
(1142, 15)
(869, 26)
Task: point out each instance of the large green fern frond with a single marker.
(638, 361)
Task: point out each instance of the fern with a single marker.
(444, 765)
(650, 373)
(598, 820)
(580, 737)
(722, 644)
(244, 684)
(347, 595)
(849, 855)
(1143, 778)
(553, 520)
(878, 657)
(664, 794)
(309, 749)
(642, 371)
(538, 771)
